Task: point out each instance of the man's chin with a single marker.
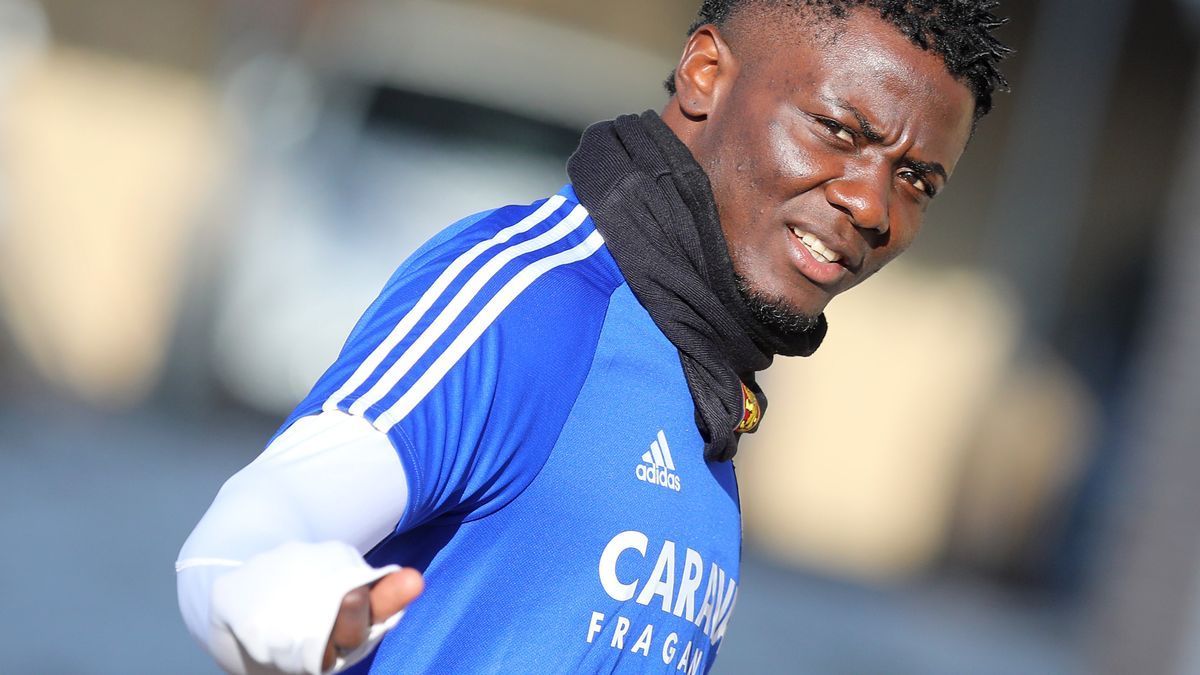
(776, 313)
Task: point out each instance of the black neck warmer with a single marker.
(654, 206)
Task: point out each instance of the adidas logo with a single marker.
(658, 467)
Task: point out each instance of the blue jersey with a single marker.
(560, 504)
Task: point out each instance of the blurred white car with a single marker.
(408, 117)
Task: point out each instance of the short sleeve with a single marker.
(473, 355)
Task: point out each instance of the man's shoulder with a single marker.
(514, 299)
(549, 249)
(538, 271)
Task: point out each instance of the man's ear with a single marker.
(705, 65)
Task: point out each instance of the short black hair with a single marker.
(959, 31)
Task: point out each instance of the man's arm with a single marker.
(299, 517)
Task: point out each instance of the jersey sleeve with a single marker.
(473, 355)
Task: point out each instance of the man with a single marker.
(540, 410)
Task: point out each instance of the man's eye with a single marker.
(918, 181)
(841, 132)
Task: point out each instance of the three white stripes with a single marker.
(660, 453)
(490, 311)
(435, 291)
(454, 309)
(459, 303)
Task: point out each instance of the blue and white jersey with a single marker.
(559, 502)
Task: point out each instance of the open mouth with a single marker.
(815, 259)
(820, 252)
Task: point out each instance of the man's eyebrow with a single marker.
(927, 167)
(867, 130)
(874, 136)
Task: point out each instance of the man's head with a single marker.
(826, 127)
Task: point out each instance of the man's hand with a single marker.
(367, 605)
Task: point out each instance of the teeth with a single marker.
(820, 252)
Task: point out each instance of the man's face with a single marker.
(824, 154)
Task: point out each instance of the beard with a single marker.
(774, 312)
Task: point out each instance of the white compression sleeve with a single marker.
(299, 516)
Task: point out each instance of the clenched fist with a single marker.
(367, 605)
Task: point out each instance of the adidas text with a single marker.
(658, 476)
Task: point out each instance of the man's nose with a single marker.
(863, 196)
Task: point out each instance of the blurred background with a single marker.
(989, 468)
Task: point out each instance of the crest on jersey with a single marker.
(751, 412)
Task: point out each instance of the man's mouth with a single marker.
(820, 252)
(816, 259)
